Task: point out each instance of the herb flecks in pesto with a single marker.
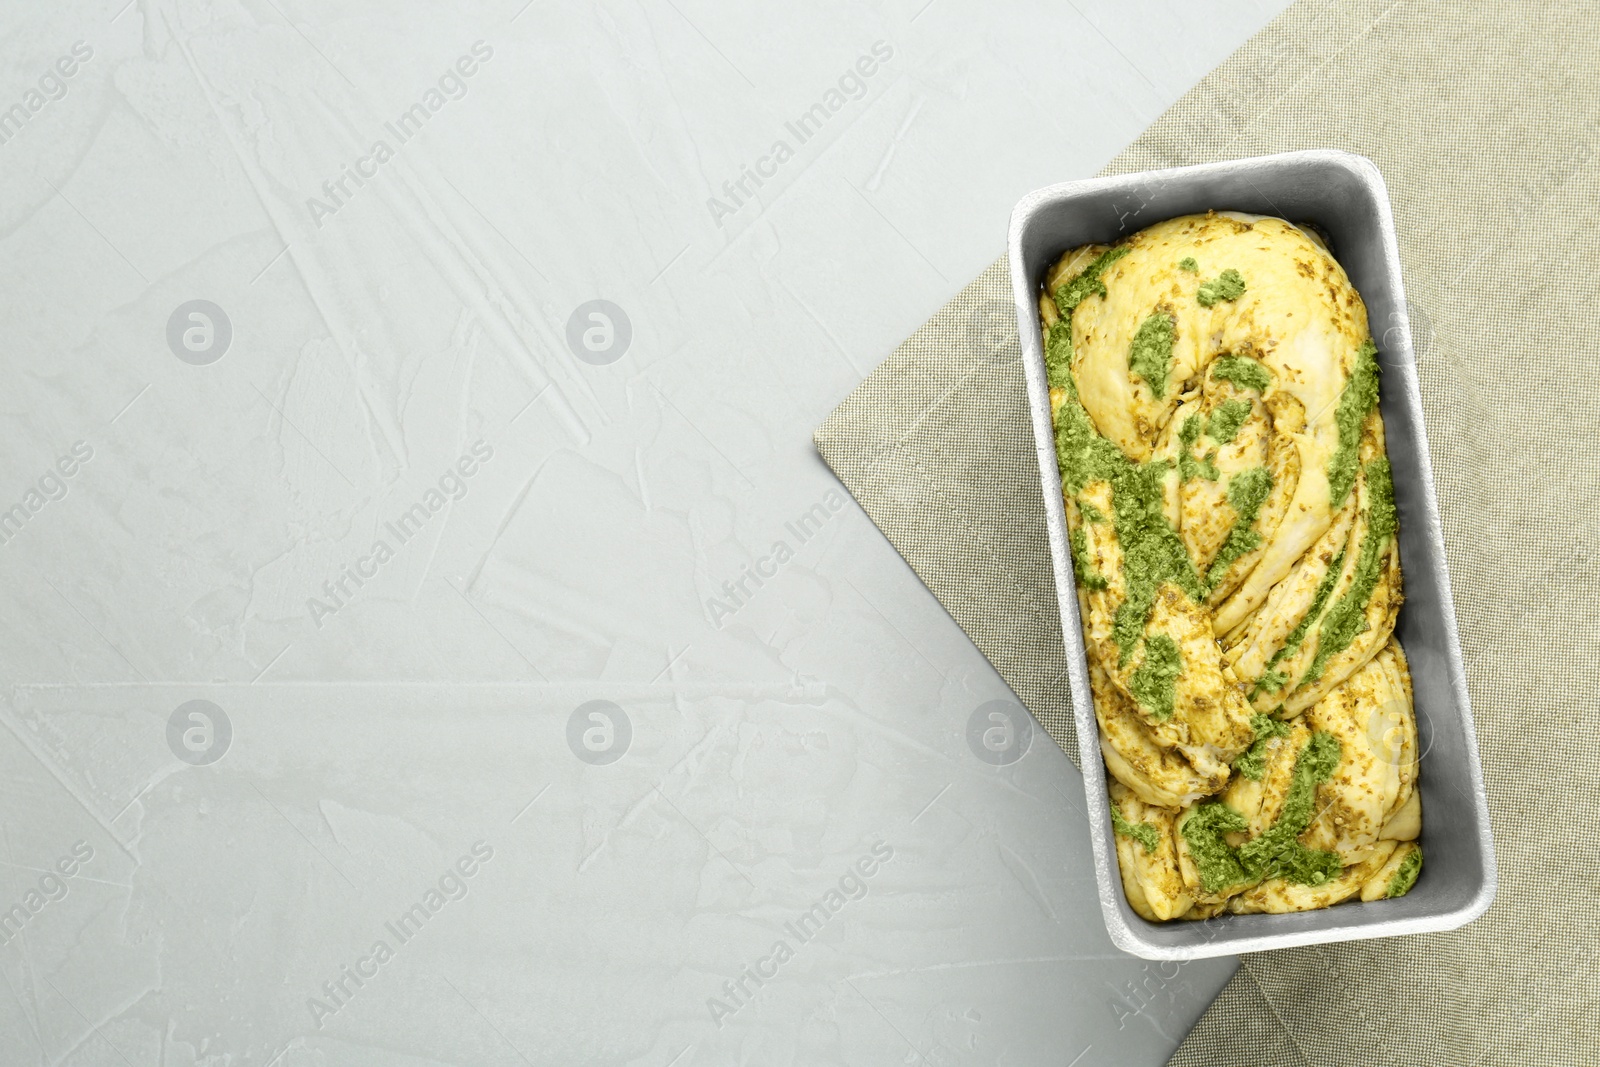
(1058, 353)
(1150, 354)
(1226, 420)
(1357, 399)
(1154, 683)
(1088, 577)
(1405, 875)
(1229, 285)
(1081, 453)
(1142, 832)
(1152, 551)
(1348, 616)
(1306, 866)
(1277, 851)
(1090, 513)
(1247, 491)
(1072, 292)
(1216, 861)
(1272, 680)
(1189, 467)
(1252, 764)
(1187, 263)
(1242, 371)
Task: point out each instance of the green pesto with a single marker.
(1277, 851)
(1306, 866)
(1072, 292)
(1242, 371)
(1189, 432)
(1252, 764)
(1405, 875)
(1358, 397)
(1226, 420)
(1273, 680)
(1090, 513)
(1058, 353)
(1142, 832)
(1348, 615)
(1088, 577)
(1216, 861)
(1247, 491)
(1081, 453)
(1187, 263)
(1229, 285)
(1188, 466)
(1155, 682)
(1152, 551)
(1150, 354)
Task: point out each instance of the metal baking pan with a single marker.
(1344, 197)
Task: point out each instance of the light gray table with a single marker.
(408, 659)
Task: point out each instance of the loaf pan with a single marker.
(1343, 196)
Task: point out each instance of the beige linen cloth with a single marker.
(1485, 120)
